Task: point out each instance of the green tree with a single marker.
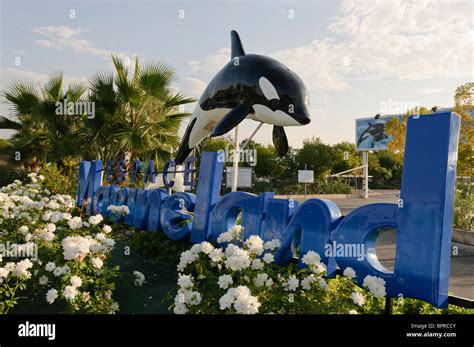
(317, 156)
(346, 157)
(464, 106)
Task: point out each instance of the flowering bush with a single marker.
(69, 253)
(240, 276)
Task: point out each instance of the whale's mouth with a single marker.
(304, 121)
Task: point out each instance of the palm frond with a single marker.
(6, 123)
(23, 96)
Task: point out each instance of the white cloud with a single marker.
(399, 40)
(428, 91)
(63, 36)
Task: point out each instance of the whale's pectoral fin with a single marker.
(231, 119)
(279, 140)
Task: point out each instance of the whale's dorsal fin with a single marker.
(237, 50)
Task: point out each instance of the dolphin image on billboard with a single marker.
(371, 133)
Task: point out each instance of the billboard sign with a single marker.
(371, 133)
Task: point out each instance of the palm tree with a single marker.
(42, 134)
(137, 114)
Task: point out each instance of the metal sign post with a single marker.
(236, 160)
(365, 182)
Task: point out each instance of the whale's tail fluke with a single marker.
(184, 149)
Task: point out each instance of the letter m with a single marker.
(90, 179)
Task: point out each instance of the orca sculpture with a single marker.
(248, 86)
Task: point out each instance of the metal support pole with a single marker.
(365, 183)
(251, 136)
(235, 168)
(305, 184)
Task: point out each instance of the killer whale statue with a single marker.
(249, 86)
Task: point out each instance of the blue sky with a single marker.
(357, 58)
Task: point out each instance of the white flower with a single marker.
(51, 295)
(51, 227)
(269, 283)
(77, 247)
(255, 244)
(3, 273)
(180, 309)
(58, 271)
(206, 247)
(53, 205)
(225, 237)
(292, 283)
(307, 281)
(21, 269)
(268, 258)
(43, 280)
(97, 263)
(349, 273)
(376, 285)
(224, 281)
(353, 312)
(216, 255)
(139, 278)
(358, 298)
(226, 301)
(23, 229)
(322, 284)
(271, 245)
(106, 229)
(257, 264)
(196, 248)
(70, 292)
(311, 258)
(50, 266)
(234, 233)
(48, 236)
(47, 215)
(76, 281)
(75, 223)
(186, 258)
(121, 209)
(246, 304)
(238, 260)
(259, 281)
(94, 220)
(185, 281)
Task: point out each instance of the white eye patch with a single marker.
(268, 89)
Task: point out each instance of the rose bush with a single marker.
(240, 276)
(70, 252)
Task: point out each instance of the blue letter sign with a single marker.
(422, 219)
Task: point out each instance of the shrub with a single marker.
(71, 268)
(241, 277)
(464, 207)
